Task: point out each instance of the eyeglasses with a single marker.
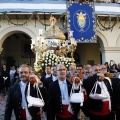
(103, 68)
(79, 69)
(97, 69)
(25, 72)
(61, 70)
(88, 72)
(53, 69)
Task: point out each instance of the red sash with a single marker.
(23, 113)
(65, 113)
(85, 95)
(105, 109)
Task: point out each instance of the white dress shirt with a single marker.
(54, 78)
(12, 72)
(64, 92)
(47, 75)
(24, 103)
(119, 76)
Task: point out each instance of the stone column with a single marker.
(1, 49)
(110, 53)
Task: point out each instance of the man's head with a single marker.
(48, 69)
(61, 72)
(17, 69)
(72, 68)
(87, 67)
(95, 69)
(4, 66)
(24, 72)
(13, 67)
(103, 68)
(79, 69)
(54, 70)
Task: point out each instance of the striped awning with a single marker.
(58, 6)
(107, 8)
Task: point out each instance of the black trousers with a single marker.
(26, 119)
(71, 118)
(35, 118)
(22, 119)
(110, 116)
(117, 114)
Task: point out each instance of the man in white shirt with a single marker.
(52, 78)
(17, 100)
(12, 72)
(47, 73)
(58, 101)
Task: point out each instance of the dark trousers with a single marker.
(110, 116)
(32, 119)
(22, 119)
(117, 114)
(71, 118)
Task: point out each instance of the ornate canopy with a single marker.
(53, 31)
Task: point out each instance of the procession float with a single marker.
(52, 48)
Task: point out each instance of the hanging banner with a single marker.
(81, 21)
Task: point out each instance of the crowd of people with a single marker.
(100, 85)
(8, 77)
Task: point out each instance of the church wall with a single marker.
(111, 35)
(88, 52)
(111, 50)
(13, 47)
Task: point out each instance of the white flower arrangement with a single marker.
(66, 61)
(50, 59)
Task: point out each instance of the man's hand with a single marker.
(101, 77)
(38, 80)
(74, 79)
(34, 78)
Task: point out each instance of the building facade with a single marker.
(20, 21)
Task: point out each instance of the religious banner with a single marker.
(81, 21)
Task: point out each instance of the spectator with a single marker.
(12, 72)
(5, 78)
